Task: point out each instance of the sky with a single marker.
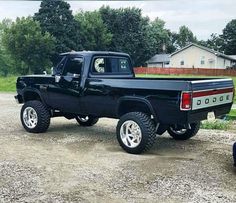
(203, 17)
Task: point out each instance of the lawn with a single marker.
(8, 84)
(232, 115)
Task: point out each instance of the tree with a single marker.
(56, 18)
(229, 38)
(160, 37)
(93, 32)
(129, 31)
(27, 44)
(185, 36)
(6, 62)
(215, 42)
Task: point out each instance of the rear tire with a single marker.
(234, 154)
(35, 117)
(184, 134)
(135, 132)
(86, 120)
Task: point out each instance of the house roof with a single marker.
(233, 56)
(159, 58)
(217, 53)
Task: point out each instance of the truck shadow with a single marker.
(72, 133)
(107, 134)
(80, 139)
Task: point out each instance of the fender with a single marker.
(34, 90)
(135, 99)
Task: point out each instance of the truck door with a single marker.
(65, 91)
(101, 94)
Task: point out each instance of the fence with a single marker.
(185, 71)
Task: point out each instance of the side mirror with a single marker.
(57, 78)
(76, 75)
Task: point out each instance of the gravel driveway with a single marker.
(70, 163)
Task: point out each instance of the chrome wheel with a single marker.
(130, 134)
(179, 131)
(30, 117)
(83, 119)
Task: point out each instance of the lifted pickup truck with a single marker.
(89, 85)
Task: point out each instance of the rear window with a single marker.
(111, 65)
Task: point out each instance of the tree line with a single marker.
(32, 44)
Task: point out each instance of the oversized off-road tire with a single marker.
(86, 120)
(35, 117)
(182, 133)
(135, 132)
(234, 154)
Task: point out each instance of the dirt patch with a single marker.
(71, 163)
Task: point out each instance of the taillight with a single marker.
(186, 101)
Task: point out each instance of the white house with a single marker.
(196, 56)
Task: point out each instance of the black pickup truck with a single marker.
(89, 85)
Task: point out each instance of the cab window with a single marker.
(73, 66)
(111, 65)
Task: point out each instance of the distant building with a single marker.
(232, 56)
(159, 60)
(196, 56)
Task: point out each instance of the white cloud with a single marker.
(203, 17)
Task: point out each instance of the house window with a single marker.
(182, 62)
(202, 60)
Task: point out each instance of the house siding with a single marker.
(192, 57)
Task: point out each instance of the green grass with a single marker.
(8, 84)
(216, 124)
(231, 115)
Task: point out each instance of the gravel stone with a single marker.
(70, 163)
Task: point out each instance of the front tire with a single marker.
(183, 133)
(35, 117)
(86, 120)
(135, 132)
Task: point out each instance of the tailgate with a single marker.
(212, 92)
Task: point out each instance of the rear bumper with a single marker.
(174, 116)
(201, 114)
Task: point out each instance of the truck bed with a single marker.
(177, 84)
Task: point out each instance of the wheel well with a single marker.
(132, 106)
(29, 95)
